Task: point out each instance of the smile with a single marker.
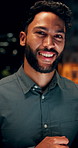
(47, 55)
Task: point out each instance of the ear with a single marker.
(22, 38)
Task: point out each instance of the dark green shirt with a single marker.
(27, 115)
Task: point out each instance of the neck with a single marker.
(41, 79)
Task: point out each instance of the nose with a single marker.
(48, 42)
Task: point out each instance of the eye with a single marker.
(41, 33)
(59, 37)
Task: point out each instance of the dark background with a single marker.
(12, 13)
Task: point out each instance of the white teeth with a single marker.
(46, 55)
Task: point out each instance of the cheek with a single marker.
(34, 42)
(61, 47)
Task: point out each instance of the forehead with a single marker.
(47, 19)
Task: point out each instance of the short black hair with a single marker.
(58, 8)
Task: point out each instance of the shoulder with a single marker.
(8, 83)
(68, 83)
(7, 80)
(9, 87)
(68, 87)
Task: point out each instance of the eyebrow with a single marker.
(41, 27)
(44, 28)
(60, 31)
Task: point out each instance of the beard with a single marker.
(31, 57)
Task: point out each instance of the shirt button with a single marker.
(45, 125)
(43, 97)
(35, 86)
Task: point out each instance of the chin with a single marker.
(44, 70)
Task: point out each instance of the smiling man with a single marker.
(37, 106)
(44, 42)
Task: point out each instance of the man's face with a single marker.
(44, 41)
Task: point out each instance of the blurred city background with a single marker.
(12, 14)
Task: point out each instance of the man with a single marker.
(39, 108)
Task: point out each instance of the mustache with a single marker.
(49, 50)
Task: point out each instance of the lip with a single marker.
(47, 57)
(46, 54)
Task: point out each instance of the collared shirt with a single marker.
(28, 115)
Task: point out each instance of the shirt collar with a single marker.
(27, 83)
